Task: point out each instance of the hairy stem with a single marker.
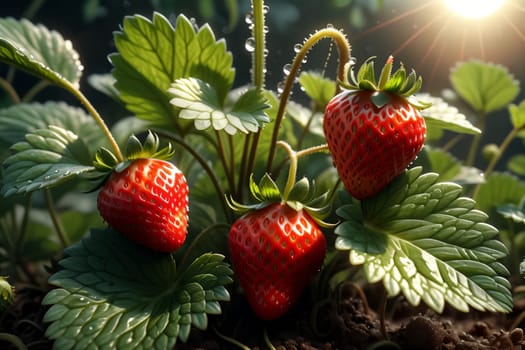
(98, 119)
(344, 57)
(258, 73)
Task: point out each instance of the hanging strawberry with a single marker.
(145, 198)
(276, 247)
(373, 130)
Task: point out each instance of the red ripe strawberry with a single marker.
(373, 131)
(275, 251)
(147, 201)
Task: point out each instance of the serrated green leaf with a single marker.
(153, 54)
(442, 116)
(21, 119)
(499, 189)
(319, 88)
(436, 247)
(39, 51)
(131, 297)
(46, 158)
(198, 101)
(487, 87)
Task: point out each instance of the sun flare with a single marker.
(474, 9)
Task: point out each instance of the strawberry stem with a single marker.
(294, 157)
(344, 57)
(98, 119)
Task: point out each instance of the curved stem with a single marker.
(209, 171)
(41, 85)
(13, 340)
(98, 119)
(267, 340)
(294, 157)
(230, 340)
(11, 92)
(344, 57)
(502, 148)
(64, 240)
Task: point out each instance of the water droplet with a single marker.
(266, 9)
(56, 171)
(280, 87)
(265, 52)
(47, 178)
(287, 68)
(249, 18)
(297, 47)
(249, 45)
(266, 30)
(329, 25)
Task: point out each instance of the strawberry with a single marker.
(277, 246)
(146, 199)
(372, 130)
(275, 251)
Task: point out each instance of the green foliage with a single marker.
(422, 239)
(45, 159)
(318, 88)
(35, 49)
(198, 101)
(115, 294)
(153, 54)
(18, 120)
(442, 116)
(486, 87)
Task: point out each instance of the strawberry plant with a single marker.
(147, 226)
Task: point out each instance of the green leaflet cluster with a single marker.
(115, 294)
(422, 239)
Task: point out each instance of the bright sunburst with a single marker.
(474, 9)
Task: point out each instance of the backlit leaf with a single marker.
(153, 54)
(46, 158)
(198, 101)
(113, 293)
(434, 246)
(39, 51)
(517, 115)
(487, 87)
(318, 88)
(440, 115)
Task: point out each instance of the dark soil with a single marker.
(346, 323)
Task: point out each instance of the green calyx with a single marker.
(106, 161)
(397, 83)
(297, 195)
(302, 196)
